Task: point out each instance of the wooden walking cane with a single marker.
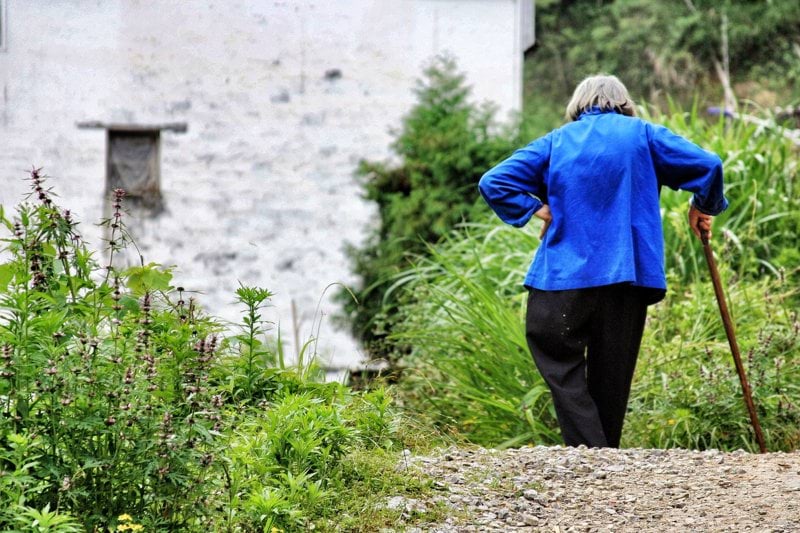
(726, 320)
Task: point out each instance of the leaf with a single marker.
(49, 250)
(129, 304)
(91, 463)
(6, 275)
(150, 277)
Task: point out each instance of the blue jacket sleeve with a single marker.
(681, 164)
(514, 187)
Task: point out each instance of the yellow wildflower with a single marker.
(130, 527)
(124, 518)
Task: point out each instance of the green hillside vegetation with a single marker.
(664, 51)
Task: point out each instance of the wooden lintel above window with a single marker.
(176, 127)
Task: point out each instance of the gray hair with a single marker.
(602, 91)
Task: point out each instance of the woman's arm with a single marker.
(681, 164)
(514, 189)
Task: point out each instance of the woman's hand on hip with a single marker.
(546, 216)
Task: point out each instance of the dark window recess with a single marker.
(133, 165)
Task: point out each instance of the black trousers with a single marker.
(585, 343)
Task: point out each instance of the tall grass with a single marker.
(469, 363)
(686, 392)
(463, 314)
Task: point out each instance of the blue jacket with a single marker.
(601, 175)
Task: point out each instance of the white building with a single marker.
(280, 100)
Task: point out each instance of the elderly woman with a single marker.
(595, 182)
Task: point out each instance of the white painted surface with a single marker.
(260, 190)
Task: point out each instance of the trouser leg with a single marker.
(585, 343)
(614, 340)
(558, 330)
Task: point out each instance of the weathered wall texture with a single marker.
(260, 190)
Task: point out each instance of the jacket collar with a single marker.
(596, 111)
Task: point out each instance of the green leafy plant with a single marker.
(45, 521)
(119, 398)
(104, 376)
(18, 486)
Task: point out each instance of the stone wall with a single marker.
(281, 99)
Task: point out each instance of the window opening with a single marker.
(133, 163)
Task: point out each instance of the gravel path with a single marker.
(560, 489)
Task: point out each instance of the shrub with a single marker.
(442, 148)
(286, 464)
(686, 392)
(761, 174)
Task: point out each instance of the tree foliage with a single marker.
(666, 47)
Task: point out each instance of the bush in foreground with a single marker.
(124, 407)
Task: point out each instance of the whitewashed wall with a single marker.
(260, 189)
